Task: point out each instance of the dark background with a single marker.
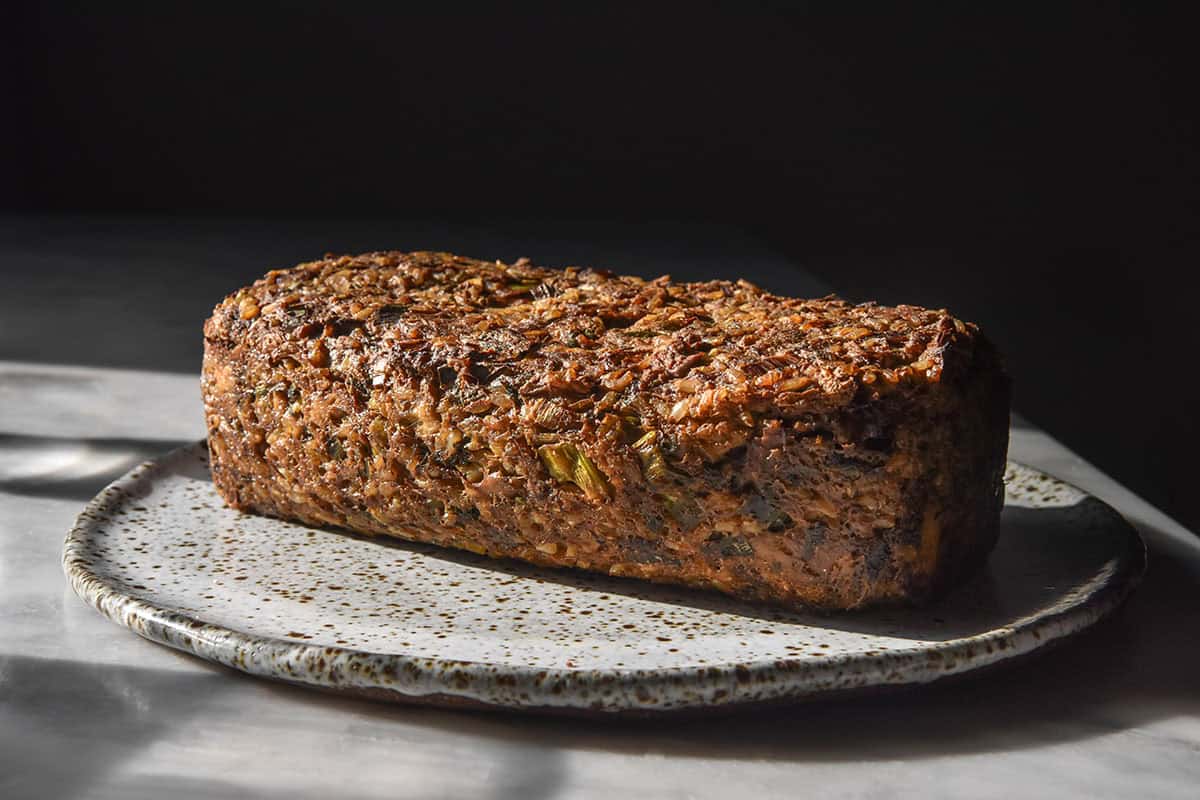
(1032, 168)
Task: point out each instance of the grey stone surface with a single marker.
(88, 710)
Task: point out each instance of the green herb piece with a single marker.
(654, 466)
(566, 464)
(559, 460)
(590, 479)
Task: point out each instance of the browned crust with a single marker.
(795, 451)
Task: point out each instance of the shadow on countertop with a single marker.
(71, 468)
(75, 729)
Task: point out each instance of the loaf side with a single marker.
(799, 452)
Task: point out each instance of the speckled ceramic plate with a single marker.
(158, 552)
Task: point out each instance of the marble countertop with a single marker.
(87, 709)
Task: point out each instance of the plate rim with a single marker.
(457, 682)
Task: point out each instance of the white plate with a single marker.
(158, 552)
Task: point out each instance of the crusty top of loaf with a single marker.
(705, 357)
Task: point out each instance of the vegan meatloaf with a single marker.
(809, 453)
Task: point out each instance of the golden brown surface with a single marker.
(796, 451)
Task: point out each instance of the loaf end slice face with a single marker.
(800, 452)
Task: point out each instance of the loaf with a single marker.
(804, 453)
